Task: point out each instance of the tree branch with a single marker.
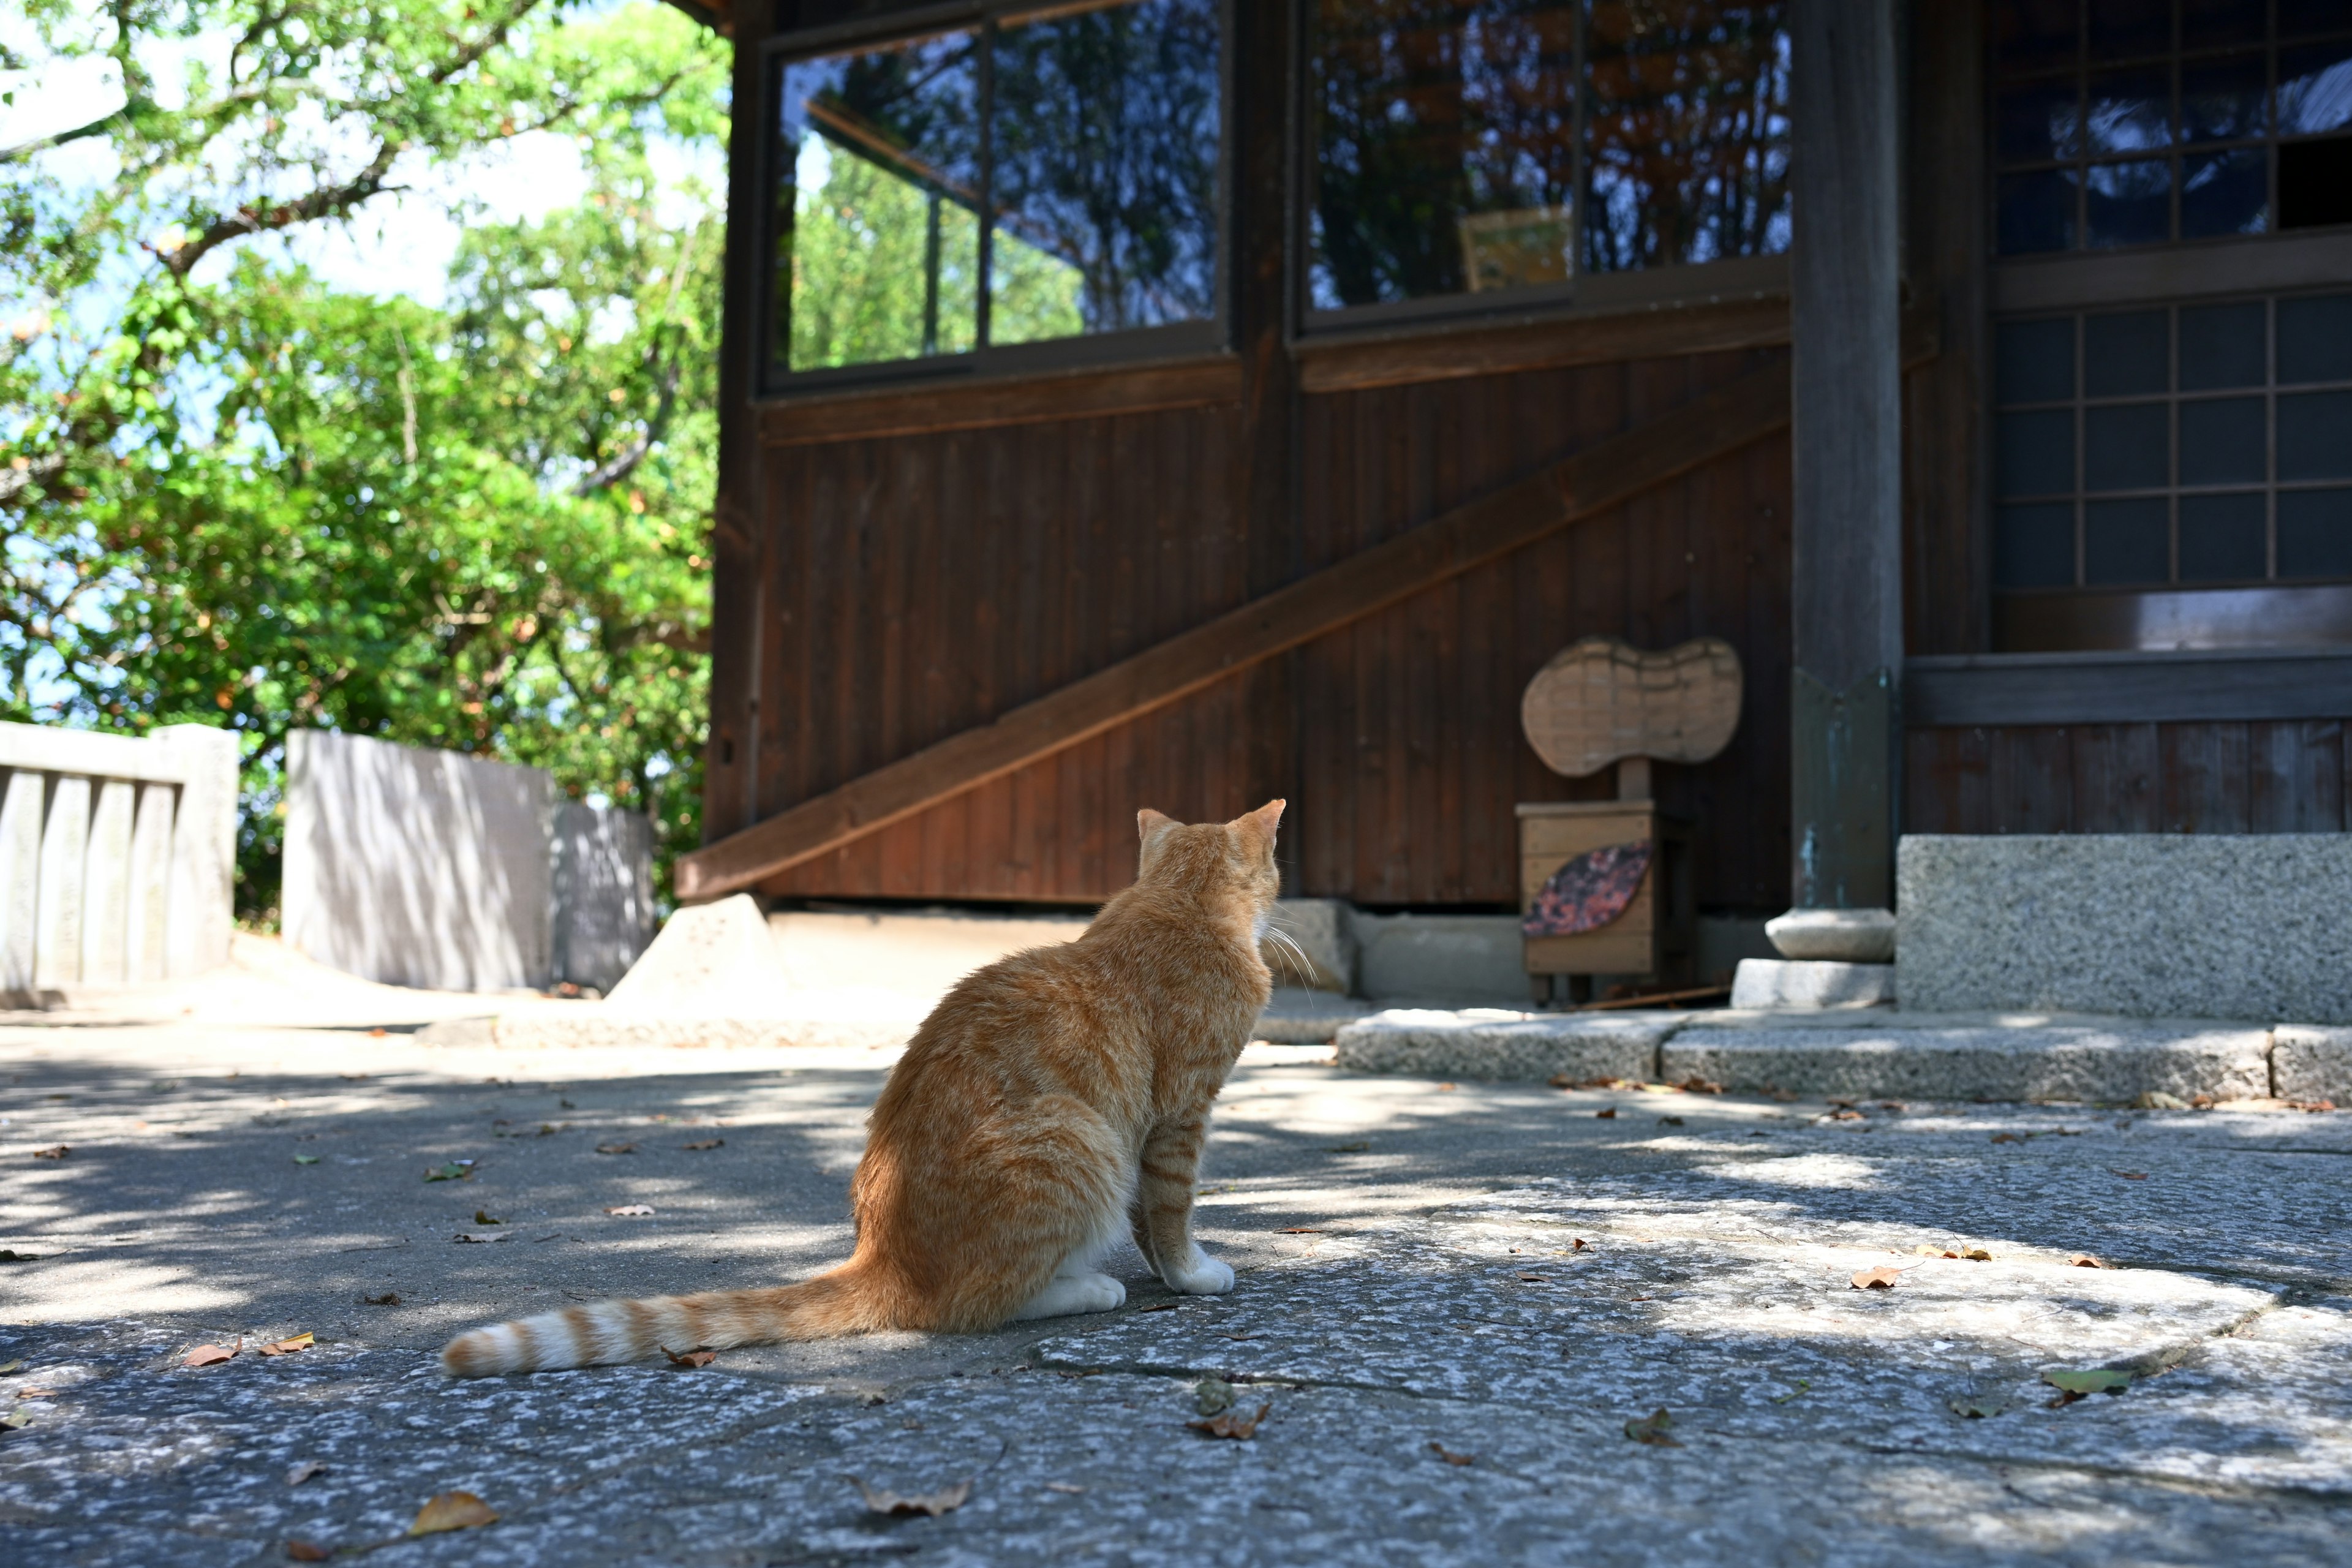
(624, 463)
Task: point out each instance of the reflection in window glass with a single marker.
(1688, 131)
(1104, 147)
(880, 254)
(1444, 143)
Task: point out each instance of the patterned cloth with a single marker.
(1589, 891)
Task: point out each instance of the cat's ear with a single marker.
(1154, 827)
(1265, 819)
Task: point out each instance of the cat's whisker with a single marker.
(1293, 955)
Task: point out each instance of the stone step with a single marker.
(1497, 1043)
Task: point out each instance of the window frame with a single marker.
(1085, 350)
(1584, 293)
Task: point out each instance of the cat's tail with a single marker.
(832, 1304)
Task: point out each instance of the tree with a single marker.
(232, 492)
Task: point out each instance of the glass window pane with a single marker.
(2034, 453)
(2124, 542)
(2125, 447)
(2314, 339)
(2224, 193)
(2314, 435)
(2036, 120)
(2124, 355)
(2315, 88)
(2129, 111)
(1445, 145)
(880, 259)
(2121, 28)
(2128, 204)
(1104, 135)
(2029, 35)
(2222, 100)
(2314, 533)
(2298, 16)
(2205, 23)
(2037, 212)
(2033, 546)
(2222, 345)
(2316, 182)
(1686, 133)
(2033, 362)
(2223, 441)
(2222, 538)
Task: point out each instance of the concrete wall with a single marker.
(605, 914)
(118, 857)
(437, 869)
(2144, 924)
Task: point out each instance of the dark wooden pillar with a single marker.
(1847, 583)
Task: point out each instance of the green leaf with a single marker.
(306, 1159)
(2089, 1380)
(456, 1171)
(1652, 1429)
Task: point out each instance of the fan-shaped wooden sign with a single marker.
(1600, 699)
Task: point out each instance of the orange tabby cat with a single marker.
(1047, 1098)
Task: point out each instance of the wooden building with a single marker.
(1180, 403)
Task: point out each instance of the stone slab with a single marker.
(2312, 1064)
(418, 868)
(1475, 958)
(715, 959)
(1496, 1044)
(1836, 936)
(1299, 1016)
(2033, 1060)
(604, 909)
(1810, 983)
(2153, 925)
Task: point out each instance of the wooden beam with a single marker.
(975, 405)
(1582, 486)
(2238, 685)
(1448, 351)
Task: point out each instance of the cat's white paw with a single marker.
(1201, 1274)
(1068, 1294)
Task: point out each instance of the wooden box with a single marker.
(1656, 935)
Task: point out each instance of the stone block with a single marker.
(1312, 943)
(605, 913)
(147, 938)
(715, 959)
(1834, 936)
(2308, 1063)
(1446, 958)
(20, 882)
(106, 885)
(418, 868)
(201, 898)
(65, 849)
(1800, 982)
(1298, 1016)
(2093, 1060)
(2149, 925)
(1499, 1044)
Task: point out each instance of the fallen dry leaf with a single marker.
(455, 1170)
(1347, 1149)
(1211, 1395)
(1879, 1279)
(10, 1255)
(1975, 1255)
(1231, 1423)
(1670, 1121)
(1580, 1246)
(1446, 1088)
(2084, 1260)
(1299, 1230)
(1533, 1278)
(60, 1153)
(881, 1501)
(2131, 1176)
(1976, 1406)
(2311, 1105)
(295, 1474)
(305, 1551)
(389, 1298)
(1892, 1105)
(482, 1216)
(1606, 1113)
(1450, 1457)
(2010, 1137)
(452, 1510)
(1653, 1429)
(1064, 1486)
(211, 1355)
(16, 1420)
(377, 1033)
(464, 1238)
(1160, 1307)
(699, 1356)
(616, 1148)
(1848, 1114)
(706, 1143)
(292, 1345)
(1698, 1085)
(630, 1210)
(37, 1394)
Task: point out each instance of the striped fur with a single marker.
(1051, 1100)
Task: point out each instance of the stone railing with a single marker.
(118, 857)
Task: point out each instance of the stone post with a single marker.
(1847, 591)
(201, 898)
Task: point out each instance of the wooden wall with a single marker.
(2278, 776)
(917, 586)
